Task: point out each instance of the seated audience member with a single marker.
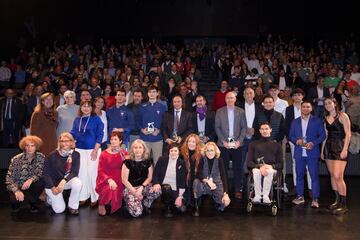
(211, 179)
(169, 178)
(108, 181)
(61, 173)
(23, 179)
(136, 175)
(264, 159)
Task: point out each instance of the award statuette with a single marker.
(202, 136)
(150, 128)
(260, 160)
(231, 142)
(304, 142)
(175, 137)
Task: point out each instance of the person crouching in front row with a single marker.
(170, 180)
(61, 173)
(211, 179)
(136, 175)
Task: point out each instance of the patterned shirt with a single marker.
(21, 169)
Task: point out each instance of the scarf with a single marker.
(50, 114)
(201, 112)
(67, 154)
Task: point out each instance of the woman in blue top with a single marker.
(88, 133)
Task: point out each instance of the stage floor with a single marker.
(292, 222)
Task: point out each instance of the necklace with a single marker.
(87, 122)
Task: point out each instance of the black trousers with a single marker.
(235, 155)
(10, 134)
(31, 195)
(168, 197)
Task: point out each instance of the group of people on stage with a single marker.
(107, 158)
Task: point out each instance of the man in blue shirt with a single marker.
(120, 118)
(151, 117)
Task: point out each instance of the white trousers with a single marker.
(292, 150)
(265, 190)
(87, 174)
(57, 201)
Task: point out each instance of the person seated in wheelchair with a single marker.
(264, 159)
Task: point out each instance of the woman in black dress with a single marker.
(335, 151)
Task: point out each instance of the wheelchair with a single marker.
(275, 193)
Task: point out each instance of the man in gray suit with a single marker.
(230, 127)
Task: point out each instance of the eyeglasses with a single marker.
(210, 150)
(64, 141)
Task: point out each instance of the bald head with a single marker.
(230, 99)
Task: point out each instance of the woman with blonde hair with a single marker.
(61, 173)
(23, 179)
(136, 175)
(191, 153)
(44, 121)
(211, 179)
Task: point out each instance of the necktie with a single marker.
(8, 109)
(176, 120)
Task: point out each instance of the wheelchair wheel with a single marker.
(249, 207)
(274, 210)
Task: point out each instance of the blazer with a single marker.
(289, 116)
(258, 108)
(315, 133)
(287, 80)
(313, 94)
(209, 124)
(222, 125)
(160, 172)
(17, 112)
(185, 126)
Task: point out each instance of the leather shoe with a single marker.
(73, 211)
(93, 204)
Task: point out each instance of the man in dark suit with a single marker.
(177, 123)
(12, 114)
(190, 99)
(203, 120)
(251, 109)
(32, 102)
(307, 133)
(230, 127)
(317, 95)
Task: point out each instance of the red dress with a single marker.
(110, 167)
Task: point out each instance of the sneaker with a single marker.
(73, 211)
(34, 209)
(298, 200)
(315, 203)
(266, 200)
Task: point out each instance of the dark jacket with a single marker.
(185, 125)
(209, 124)
(160, 172)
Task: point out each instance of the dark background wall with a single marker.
(116, 19)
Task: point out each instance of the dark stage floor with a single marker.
(290, 223)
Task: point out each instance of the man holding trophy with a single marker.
(151, 117)
(203, 120)
(230, 127)
(177, 123)
(307, 133)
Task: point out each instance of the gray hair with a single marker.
(70, 93)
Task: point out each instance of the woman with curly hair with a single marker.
(191, 153)
(23, 179)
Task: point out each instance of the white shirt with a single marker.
(201, 124)
(320, 92)
(170, 175)
(280, 106)
(297, 112)
(249, 114)
(230, 112)
(179, 113)
(282, 83)
(104, 121)
(355, 76)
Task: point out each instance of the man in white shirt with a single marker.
(280, 105)
(355, 74)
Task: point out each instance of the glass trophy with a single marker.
(175, 137)
(231, 142)
(202, 136)
(304, 142)
(260, 160)
(150, 128)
